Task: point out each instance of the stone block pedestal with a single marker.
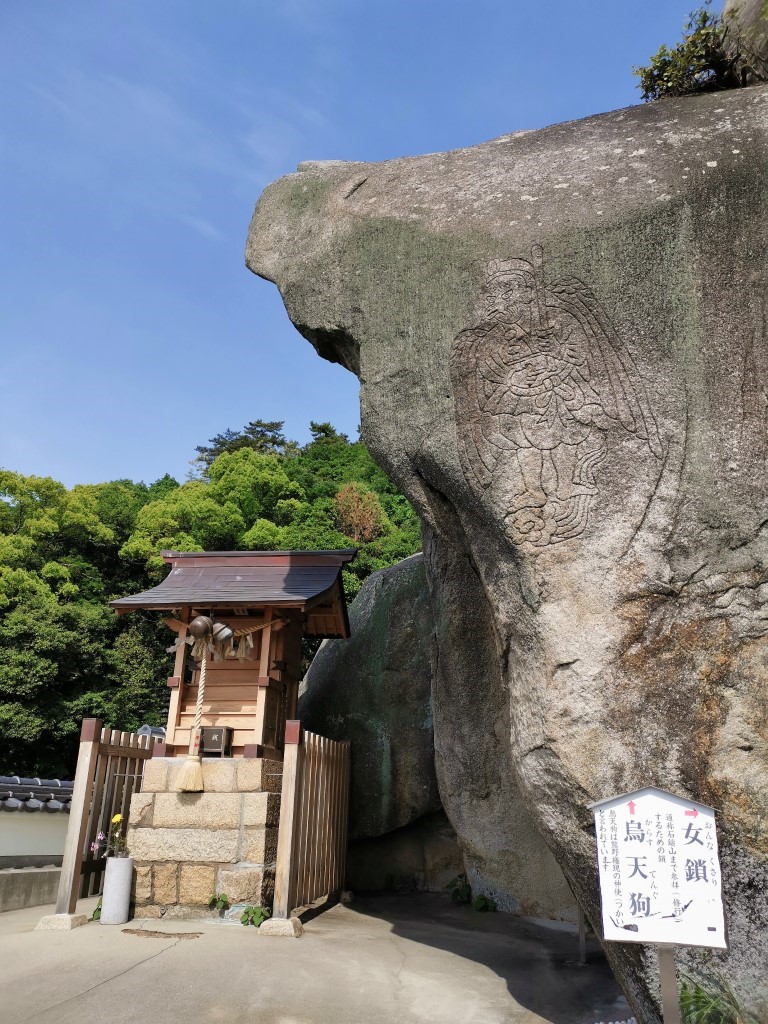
(290, 927)
(189, 846)
(60, 922)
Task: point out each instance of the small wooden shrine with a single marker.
(269, 600)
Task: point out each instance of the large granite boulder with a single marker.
(375, 690)
(561, 342)
(421, 857)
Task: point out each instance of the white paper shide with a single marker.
(659, 870)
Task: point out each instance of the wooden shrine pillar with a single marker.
(279, 661)
(262, 700)
(291, 655)
(176, 682)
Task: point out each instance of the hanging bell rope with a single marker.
(190, 778)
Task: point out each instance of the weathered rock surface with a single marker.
(746, 38)
(561, 341)
(421, 857)
(375, 690)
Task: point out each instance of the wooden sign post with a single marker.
(659, 878)
(670, 997)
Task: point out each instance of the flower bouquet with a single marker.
(115, 904)
(113, 843)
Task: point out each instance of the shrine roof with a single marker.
(248, 579)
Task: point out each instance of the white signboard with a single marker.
(659, 870)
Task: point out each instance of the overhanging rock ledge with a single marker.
(561, 341)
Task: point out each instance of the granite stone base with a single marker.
(188, 847)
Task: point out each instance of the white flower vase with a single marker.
(116, 899)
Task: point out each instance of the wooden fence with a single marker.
(110, 766)
(314, 810)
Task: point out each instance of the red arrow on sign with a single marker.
(632, 807)
(692, 814)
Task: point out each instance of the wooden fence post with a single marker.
(344, 823)
(314, 808)
(288, 817)
(82, 791)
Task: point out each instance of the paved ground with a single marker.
(388, 960)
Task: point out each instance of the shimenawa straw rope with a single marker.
(190, 778)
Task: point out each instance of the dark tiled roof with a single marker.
(49, 795)
(237, 585)
(242, 578)
(339, 556)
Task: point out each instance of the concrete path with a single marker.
(389, 960)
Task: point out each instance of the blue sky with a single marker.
(136, 138)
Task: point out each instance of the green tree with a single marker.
(264, 535)
(314, 528)
(264, 436)
(330, 460)
(65, 553)
(62, 656)
(254, 482)
(699, 63)
(244, 488)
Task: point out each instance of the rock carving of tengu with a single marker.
(538, 384)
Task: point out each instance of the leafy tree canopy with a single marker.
(63, 654)
(699, 63)
(65, 553)
(264, 436)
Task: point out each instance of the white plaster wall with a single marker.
(36, 833)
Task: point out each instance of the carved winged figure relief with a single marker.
(538, 383)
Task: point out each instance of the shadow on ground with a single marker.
(537, 960)
(404, 959)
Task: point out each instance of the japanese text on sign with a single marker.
(659, 870)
